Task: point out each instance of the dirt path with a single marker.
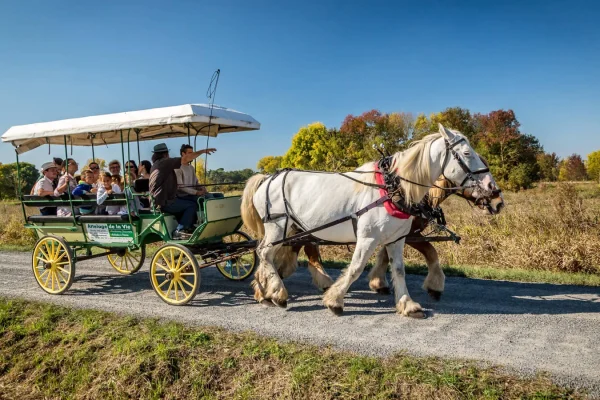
(528, 327)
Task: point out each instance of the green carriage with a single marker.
(123, 239)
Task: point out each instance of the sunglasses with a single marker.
(94, 168)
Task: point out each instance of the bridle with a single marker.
(480, 201)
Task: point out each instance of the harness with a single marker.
(395, 194)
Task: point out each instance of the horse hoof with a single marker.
(267, 303)
(417, 315)
(337, 310)
(384, 291)
(434, 294)
(282, 304)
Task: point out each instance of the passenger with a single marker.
(86, 187)
(45, 186)
(144, 170)
(131, 166)
(114, 167)
(163, 187)
(95, 168)
(67, 182)
(106, 187)
(188, 187)
(58, 162)
(117, 180)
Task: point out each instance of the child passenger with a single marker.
(106, 187)
(86, 187)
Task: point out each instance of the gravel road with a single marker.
(526, 327)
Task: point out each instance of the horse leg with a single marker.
(434, 282)
(377, 280)
(320, 278)
(404, 304)
(267, 282)
(334, 297)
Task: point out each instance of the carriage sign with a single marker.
(110, 233)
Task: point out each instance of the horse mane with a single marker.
(436, 194)
(411, 164)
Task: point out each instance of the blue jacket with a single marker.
(82, 188)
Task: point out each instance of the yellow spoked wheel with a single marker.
(174, 274)
(239, 268)
(53, 265)
(128, 262)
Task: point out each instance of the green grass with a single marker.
(48, 351)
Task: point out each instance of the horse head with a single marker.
(468, 171)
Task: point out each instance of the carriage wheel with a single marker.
(174, 274)
(127, 262)
(240, 268)
(53, 265)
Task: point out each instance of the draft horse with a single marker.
(277, 206)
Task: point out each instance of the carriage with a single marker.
(124, 239)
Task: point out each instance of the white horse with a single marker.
(278, 206)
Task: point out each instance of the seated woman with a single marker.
(86, 187)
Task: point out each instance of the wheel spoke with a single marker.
(163, 284)
(42, 259)
(183, 266)
(172, 259)
(57, 280)
(44, 273)
(176, 293)
(58, 273)
(169, 289)
(182, 289)
(44, 252)
(166, 262)
(186, 282)
(163, 267)
(179, 261)
(52, 273)
(47, 278)
(187, 274)
(134, 258)
(52, 252)
(63, 270)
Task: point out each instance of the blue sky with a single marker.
(288, 65)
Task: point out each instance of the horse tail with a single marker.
(250, 215)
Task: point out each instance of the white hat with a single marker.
(48, 165)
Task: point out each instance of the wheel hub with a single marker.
(47, 265)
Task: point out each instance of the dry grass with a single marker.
(551, 228)
(54, 352)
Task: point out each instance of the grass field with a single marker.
(547, 234)
(53, 352)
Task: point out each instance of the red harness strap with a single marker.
(389, 206)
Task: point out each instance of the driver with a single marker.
(163, 187)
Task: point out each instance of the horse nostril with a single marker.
(490, 186)
(499, 207)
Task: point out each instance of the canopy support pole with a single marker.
(137, 137)
(19, 186)
(68, 185)
(126, 185)
(92, 136)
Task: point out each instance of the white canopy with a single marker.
(153, 124)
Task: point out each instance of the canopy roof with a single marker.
(153, 124)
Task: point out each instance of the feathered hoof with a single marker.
(417, 315)
(281, 303)
(434, 294)
(384, 291)
(338, 311)
(267, 303)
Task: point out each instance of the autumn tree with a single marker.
(309, 148)
(572, 168)
(593, 165)
(269, 164)
(548, 166)
(456, 118)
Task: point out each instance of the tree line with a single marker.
(516, 159)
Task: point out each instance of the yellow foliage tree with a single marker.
(269, 164)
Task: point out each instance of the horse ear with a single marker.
(446, 133)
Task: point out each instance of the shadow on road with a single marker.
(462, 296)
